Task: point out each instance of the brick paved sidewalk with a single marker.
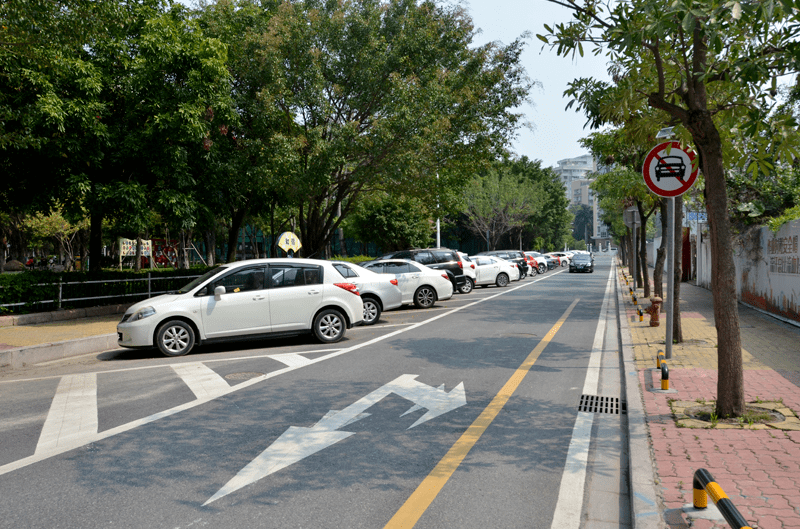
(758, 469)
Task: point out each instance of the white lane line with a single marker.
(573, 481)
(19, 464)
(73, 414)
(292, 360)
(201, 379)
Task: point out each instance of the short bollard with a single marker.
(703, 482)
(664, 376)
(634, 300)
(659, 358)
(641, 315)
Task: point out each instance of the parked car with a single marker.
(419, 285)
(249, 299)
(493, 270)
(378, 292)
(533, 264)
(468, 266)
(549, 264)
(437, 259)
(515, 256)
(581, 263)
(562, 257)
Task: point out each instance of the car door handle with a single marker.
(313, 291)
(415, 277)
(259, 297)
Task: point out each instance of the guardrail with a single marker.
(705, 485)
(59, 299)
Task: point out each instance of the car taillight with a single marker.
(393, 281)
(460, 265)
(353, 288)
(472, 265)
(446, 277)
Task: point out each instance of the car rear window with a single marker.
(286, 275)
(424, 257)
(345, 271)
(443, 256)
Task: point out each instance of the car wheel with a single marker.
(534, 272)
(502, 279)
(372, 310)
(329, 326)
(425, 297)
(542, 269)
(467, 287)
(564, 264)
(175, 338)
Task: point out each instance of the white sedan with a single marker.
(468, 266)
(253, 298)
(562, 257)
(492, 270)
(420, 285)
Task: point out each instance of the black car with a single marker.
(511, 255)
(581, 263)
(436, 258)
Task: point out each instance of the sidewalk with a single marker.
(759, 467)
(31, 339)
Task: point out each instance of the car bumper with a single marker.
(137, 334)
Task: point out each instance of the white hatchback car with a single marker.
(468, 266)
(273, 296)
(378, 291)
(494, 270)
(420, 285)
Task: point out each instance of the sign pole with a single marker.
(635, 255)
(670, 275)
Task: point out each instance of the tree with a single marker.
(583, 223)
(54, 226)
(393, 223)
(703, 64)
(498, 202)
(377, 96)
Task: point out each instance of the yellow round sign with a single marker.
(289, 241)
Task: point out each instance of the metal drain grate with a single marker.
(602, 405)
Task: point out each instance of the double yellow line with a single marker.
(408, 515)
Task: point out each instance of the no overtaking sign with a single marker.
(668, 170)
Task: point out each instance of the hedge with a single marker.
(38, 290)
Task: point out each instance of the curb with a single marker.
(64, 314)
(646, 508)
(17, 358)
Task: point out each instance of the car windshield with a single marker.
(197, 281)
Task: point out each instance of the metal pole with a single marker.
(438, 234)
(148, 286)
(670, 275)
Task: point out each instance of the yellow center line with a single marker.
(408, 514)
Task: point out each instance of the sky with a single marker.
(556, 131)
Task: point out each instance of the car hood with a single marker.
(155, 301)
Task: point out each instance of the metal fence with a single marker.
(74, 294)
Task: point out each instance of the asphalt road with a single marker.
(293, 433)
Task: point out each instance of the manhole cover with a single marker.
(242, 376)
(602, 404)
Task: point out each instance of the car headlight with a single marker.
(142, 313)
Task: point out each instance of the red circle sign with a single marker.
(668, 170)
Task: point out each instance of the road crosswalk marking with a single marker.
(202, 380)
(73, 413)
(292, 360)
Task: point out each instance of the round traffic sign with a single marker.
(668, 170)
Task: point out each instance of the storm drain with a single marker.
(602, 405)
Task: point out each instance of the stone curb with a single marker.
(56, 316)
(646, 508)
(19, 357)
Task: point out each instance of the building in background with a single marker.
(577, 176)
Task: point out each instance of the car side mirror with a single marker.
(219, 290)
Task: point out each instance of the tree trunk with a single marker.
(95, 240)
(661, 253)
(210, 239)
(730, 381)
(677, 330)
(137, 264)
(643, 258)
(233, 233)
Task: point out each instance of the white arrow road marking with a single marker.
(299, 442)
(202, 380)
(73, 413)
